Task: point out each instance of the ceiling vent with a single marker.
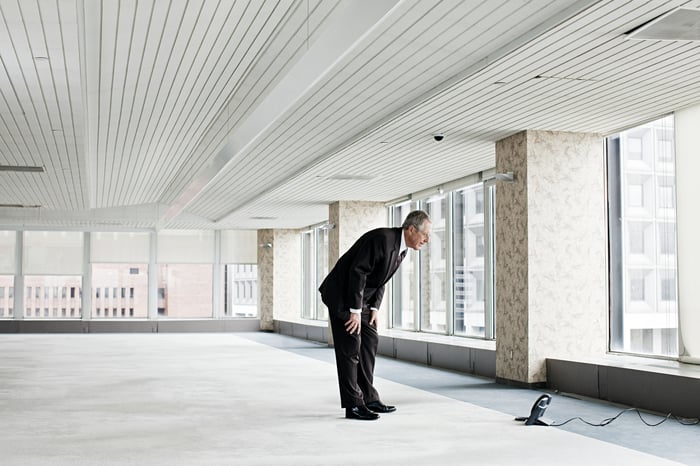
(678, 24)
(20, 168)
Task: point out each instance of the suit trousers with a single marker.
(354, 357)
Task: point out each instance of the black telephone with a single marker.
(538, 409)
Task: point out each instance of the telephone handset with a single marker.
(536, 412)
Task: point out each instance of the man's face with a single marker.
(415, 238)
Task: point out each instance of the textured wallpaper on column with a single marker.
(356, 218)
(512, 260)
(567, 247)
(265, 278)
(279, 277)
(351, 220)
(287, 291)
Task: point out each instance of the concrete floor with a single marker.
(227, 398)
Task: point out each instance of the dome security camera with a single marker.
(438, 137)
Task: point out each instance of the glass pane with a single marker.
(403, 283)
(7, 252)
(53, 253)
(308, 266)
(644, 314)
(67, 305)
(7, 296)
(184, 290)
(468, 257)
(132, 300)
(433, 262)
(321, 270)
(241, 290)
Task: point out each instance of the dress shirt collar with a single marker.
(403, 246)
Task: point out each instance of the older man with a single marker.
(353, 292)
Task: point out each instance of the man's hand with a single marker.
(353, 324)
(373, 318)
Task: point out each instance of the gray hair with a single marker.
(415, 218)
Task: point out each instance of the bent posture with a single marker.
(353, 292)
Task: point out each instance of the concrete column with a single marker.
(279, 276)
(551, 266)
(351, 220)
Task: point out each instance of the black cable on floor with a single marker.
(605, 422)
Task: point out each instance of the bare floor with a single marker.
(227, 398)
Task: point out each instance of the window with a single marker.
(454, 295)
(6, 295)
(119, 276)
(636, 237)
(642, 236)
(472, 312)
(668, 289)
(667, 239)
(635, 195)
(637, 289)
(186, 290)
(38, 300)
(314, 253)
(433, 263)
(240, 290)
(404, 284)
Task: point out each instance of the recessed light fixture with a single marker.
(568, 78)
(19, 206)
(350, 178)
(678, 24)
(21, 168)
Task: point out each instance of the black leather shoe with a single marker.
(360, 412)
(379, 407)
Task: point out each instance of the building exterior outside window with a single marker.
(240, 290)
(7, 296)
(132, 282)
(641, 176)
(187, 290)
(453, 272)
(40, 302)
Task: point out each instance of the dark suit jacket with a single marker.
(357, 280)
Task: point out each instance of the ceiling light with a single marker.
(19, 206)
(678, 24)
(350, 178)
(20, 168)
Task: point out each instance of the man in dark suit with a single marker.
(353, 292)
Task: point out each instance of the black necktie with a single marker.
(400, 258)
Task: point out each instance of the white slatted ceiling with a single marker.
(162, 84)
(546, 103)
(368, 85)
(41, 104)
(177, 79)
(277, 59)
